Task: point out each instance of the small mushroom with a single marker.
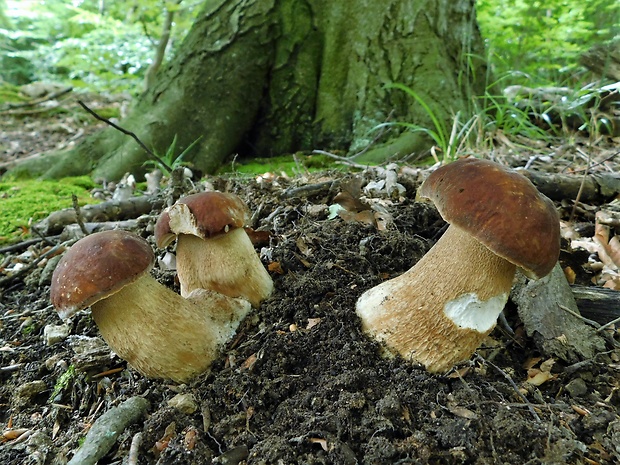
(213, 250)
(158, 332)
(438, 312)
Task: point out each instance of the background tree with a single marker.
(277, 76)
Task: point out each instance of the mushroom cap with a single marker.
(500, 208)
(97, 266)
(205, 214)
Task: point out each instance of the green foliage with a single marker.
(24, 202)
(544, 39)
(171, 159)
(76, 43)
(493, 115)
(443, 137)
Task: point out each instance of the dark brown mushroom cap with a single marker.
(501, 208)
(213, 213)
(98, 266)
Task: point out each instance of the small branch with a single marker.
(20, 245)
(27, 268)
(128, 133)
(132, 458)
(106, 429)
(607, 325)
(577, 315)
(31, 103)
(78, 215)
(514, 386)
(343, 160)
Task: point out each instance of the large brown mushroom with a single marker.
(158, 332)
(213, 249)
(439, 311)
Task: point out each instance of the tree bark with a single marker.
(597, 303)
(542, 306)
(277, 76)
(604, 59)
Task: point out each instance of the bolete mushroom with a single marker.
(213, 249)
(158, 332)
(438, 312)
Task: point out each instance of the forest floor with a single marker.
(301, 383)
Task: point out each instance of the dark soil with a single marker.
(301, 384)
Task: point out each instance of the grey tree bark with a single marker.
(269, 77)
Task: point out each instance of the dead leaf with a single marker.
(580, 410)
(11, 434)
(169, 433)
(462, 411)
(191, 438)
(258, 238)
(613, 284)
(536, 377)
(531, 362)
(302, 244)
(320, 441)
(249, 362)
(350, 195)
(609, 251)
(570, 275)
(542, 374)
(547, 364)
(275, 267)
(312, 322)
(364, 216)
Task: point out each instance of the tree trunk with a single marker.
(269, 77)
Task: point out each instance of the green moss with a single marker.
(109, 112)
(25, 202)
(290, 164)
(63, 382)
(10, 93)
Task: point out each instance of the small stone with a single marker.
(184, 403)
(25, 392)
(46, 275)
(576, 388)
(55, 333)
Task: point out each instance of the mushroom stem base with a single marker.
(163, 335)
(439, 311)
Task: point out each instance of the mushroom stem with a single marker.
(163, 335)
(235, 269)
(439, 311)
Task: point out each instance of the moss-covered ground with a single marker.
(25, 202)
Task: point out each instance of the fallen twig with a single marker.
(102, 435)
(78, 214)
(35, 262)
(132, 458)
(31, 103)
(514, 386)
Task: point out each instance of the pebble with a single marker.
(576, 387)
(184, 403)
(55, 333)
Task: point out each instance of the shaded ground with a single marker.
(301, 384)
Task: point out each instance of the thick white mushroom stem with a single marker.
(163, 335)
(226, 263)
(439, 311)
